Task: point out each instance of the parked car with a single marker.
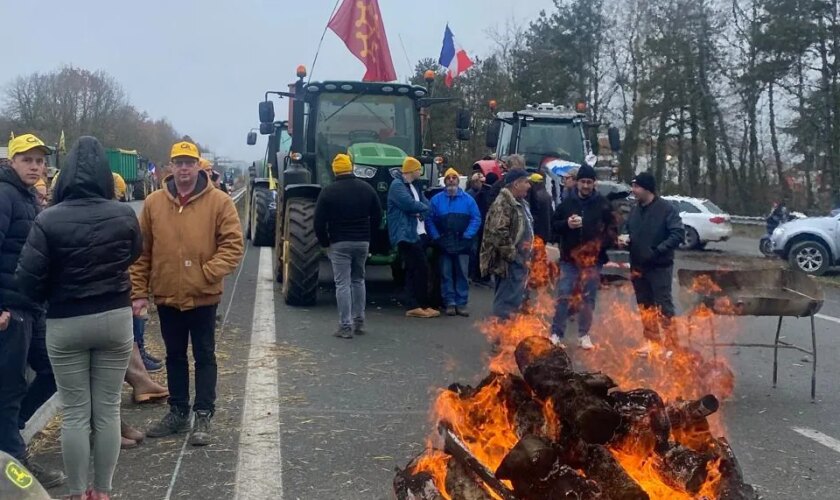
(703, 220)
(810, 245)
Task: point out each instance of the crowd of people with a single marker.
(77, 272)
(487, 233)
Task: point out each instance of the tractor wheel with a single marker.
(301, 255)
(262, 224)
(139, 190)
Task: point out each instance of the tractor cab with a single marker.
(378, 124)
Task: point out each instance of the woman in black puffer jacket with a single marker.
(76, 259)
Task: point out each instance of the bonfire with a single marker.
(617, 427)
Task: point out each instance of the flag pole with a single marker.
(318, 50)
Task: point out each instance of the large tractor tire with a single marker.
(139, 190)
(262, 224)
(301, 253)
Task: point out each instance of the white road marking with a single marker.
(259, 471)
(823, 439)
(828, 318)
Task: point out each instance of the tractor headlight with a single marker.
(364, 172)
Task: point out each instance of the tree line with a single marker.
(80, 102)
(734, 100)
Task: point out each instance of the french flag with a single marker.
(453, 57)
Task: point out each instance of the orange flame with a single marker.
(687, 367)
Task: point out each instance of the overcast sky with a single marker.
(204, 65)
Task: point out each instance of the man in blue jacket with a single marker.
(407, 207)
(453, 223)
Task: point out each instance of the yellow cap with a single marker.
(41, 183)
(185, 149)
(205, 164)
(535, 178)
(341, 164)
(24, 143)
(410, 164)
(451, 171)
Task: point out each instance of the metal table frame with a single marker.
(776, 345)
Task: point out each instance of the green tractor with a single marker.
(377, 124)
(261, 195)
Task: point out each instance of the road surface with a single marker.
(304, 415)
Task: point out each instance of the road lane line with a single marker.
(259, 471)
(828, 318)
(823, 439)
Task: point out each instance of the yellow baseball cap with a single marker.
(204, 164)
(410, 164)
(185, 148)
(451, 171)
(24, 143)
(535, 178)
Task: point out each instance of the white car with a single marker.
(703, 220)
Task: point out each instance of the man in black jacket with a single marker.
(655, 231)
(18, 208)
(346, 212)
(585, 227)
(541, 207)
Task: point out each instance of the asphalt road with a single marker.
(348, 412)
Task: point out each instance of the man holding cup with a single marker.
(585, 227)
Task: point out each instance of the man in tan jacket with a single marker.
(192, 239)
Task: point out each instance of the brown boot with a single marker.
(145, 389)
(127, 444)
(129, 432)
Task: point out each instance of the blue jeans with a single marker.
(454, 285)
(348, 263)
(139, 327)
(589, 279)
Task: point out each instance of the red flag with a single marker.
(359, 24)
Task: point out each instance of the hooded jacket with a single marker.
(79, 250)
(541, 209)
(585, 246)
(187, 249)
(453, 221)
(18, 208)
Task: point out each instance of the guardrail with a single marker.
(238, 195)
(748, 221)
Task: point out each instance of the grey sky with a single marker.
(204, 65)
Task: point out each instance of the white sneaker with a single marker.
(646, 349)
(585, 343)
(557, 341)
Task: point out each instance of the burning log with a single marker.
(456, 448)
(576, 397)
(732, 485)
(533, 468)
(557, 433)
(687, 413)
(415, 486)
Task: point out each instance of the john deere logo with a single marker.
(31, 139)
(18, 475)
(382, 186)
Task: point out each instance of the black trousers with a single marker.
(43, 387)
(416, 273)
(14, 349)
(178, 328)
(655, 300)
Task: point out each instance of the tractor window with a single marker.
(503, 148)
(347, 119)
(540, 140)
